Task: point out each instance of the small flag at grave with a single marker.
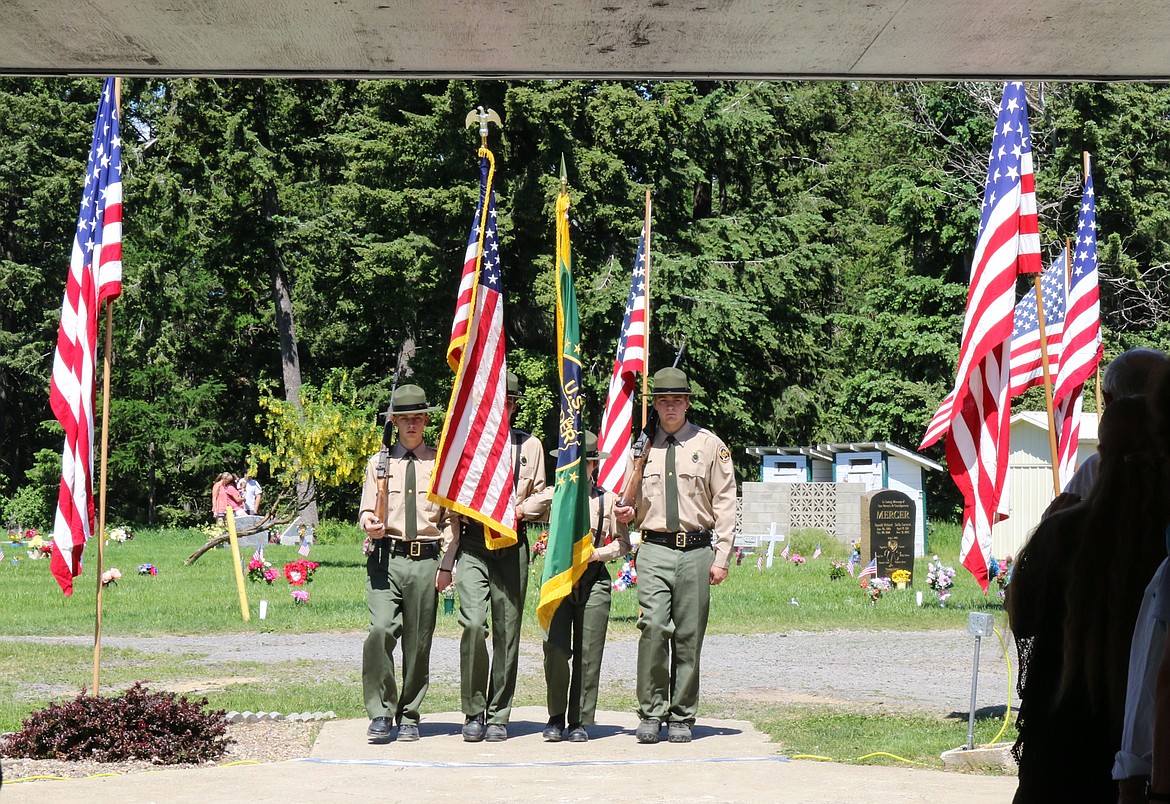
(784, 553)
(304, 548)
(817, 552)
(870, 569)
(258, 555)
(850, 566)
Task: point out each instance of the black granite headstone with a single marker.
(887, 531)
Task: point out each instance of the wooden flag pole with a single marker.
(107, 365)
(1047, 386)
(646, 342)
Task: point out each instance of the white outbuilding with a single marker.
(1030, 477)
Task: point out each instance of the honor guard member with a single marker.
(495, 581)
(686, 504)
(577, 631)
(408, 560)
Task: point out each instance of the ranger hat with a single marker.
(591, 453)
(671, 380)
(408, 399)
(513, 385)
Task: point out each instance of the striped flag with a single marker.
(784, 553)
(870, 569)
(471, 259)
(258, 553)
(305, 548)
(95, 275)
(617, 417)
(1027, 370)
(850, 565)
(976, 413)
(570, 541)
(1082, 335)
(472, 475)
(817, 552)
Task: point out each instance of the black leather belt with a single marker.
(681, 540)
(418, 549)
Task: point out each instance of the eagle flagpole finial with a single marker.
(482, 117)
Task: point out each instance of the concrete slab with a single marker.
(728, 761)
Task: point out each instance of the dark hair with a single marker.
(1116, 543)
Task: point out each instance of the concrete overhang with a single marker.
(645, 39)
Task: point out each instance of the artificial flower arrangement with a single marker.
(259, 570)
(111, 576)
(627, 576)
(875, 588)
(540, 546)
(300, 572)
(37, 547)
(837, 570)
(300, 596)
(448, 592)
(1001, 573)
(147, 569)
(796, 558)
(738, 556)
(120, 534)
(900, 578)
(940, 579)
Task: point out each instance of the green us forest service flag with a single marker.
(569, 542)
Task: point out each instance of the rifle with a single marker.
(384, 453)
(641, 450)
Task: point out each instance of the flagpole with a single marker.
(107, 366)
(1048, 385)
(646, 346)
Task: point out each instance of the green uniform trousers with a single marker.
(489, 582)
(400, 593)
(578, 630)
(674, 595)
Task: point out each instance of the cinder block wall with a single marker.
(839, 507)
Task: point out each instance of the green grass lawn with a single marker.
(202, 599)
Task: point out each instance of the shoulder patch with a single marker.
(724, 455)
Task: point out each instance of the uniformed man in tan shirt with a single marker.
(578, 628)
(495, 582)
(408, 561)
(685, 507)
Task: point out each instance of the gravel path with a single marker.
(902, 670)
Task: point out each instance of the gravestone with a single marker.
(887, 531)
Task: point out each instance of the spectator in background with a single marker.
(251, 490)
(1073, 601)
(224, 495)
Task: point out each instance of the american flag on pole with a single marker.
(976, 413)
(1027, 369)
(784, 553)
(617, 417)
(850, 565)
(1082, 334)
(817, 552)
(870, 569)
(305, 548)
(95, 275)
(472, 475)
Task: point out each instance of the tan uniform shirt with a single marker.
(538, 507)
(527, 459)
(434, 521)
(706, 487)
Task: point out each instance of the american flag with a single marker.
(1082, 334)
(817, 552)
(258, 554)
(870, 569)
(784, 553)
(475, 242)
(631, 358)
(472, 474)
(1026, 367)
(850, 565)
(976, 413)
(304, 548)
(95, 275)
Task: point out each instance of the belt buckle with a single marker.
(680, 540)
(415, 549)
